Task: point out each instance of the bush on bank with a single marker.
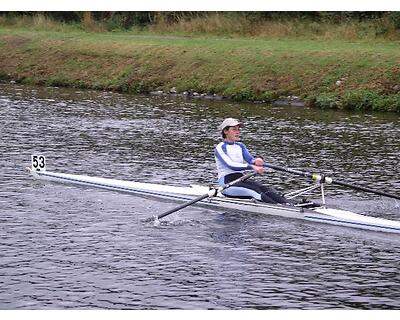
(361, 100)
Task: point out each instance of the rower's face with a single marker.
(233, 134)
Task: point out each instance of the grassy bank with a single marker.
(362, 75)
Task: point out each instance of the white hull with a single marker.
(182, 194)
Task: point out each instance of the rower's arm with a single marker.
(246, 154)
(228, 162)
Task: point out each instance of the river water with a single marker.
(66, 247)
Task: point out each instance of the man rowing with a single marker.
(233, 158)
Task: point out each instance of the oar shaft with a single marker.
(182, 206)
(211, 193)
(300, 173)
(361, 188)
(242, 178)
(330, 180)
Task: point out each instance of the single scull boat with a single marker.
(320, 214)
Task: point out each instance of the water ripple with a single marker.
(64, 247)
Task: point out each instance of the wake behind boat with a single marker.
(216, 200)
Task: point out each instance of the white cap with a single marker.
(229, 122)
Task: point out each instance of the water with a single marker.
(69, 247)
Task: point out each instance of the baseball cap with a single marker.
(229, 122)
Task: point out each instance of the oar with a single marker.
(328, 180)
(212, 193)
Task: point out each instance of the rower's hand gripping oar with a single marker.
(323, 179)
(212, 193)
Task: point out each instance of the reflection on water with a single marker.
(68, 247)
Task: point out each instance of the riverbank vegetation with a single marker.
(328, 60)
(321, 25)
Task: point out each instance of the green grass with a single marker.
(242, 69)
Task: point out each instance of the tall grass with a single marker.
(240, 26)
(221, 25)
(89, 24)
(38, 22)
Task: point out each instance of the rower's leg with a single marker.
(266, 198)
(271, 193)
(253, 189)
(241, 192)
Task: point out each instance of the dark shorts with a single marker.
(252, 189)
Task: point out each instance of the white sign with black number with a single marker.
(38, 163)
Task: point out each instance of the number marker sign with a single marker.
(38, 163)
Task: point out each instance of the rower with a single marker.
(233, 158)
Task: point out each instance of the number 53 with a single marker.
(38, 162)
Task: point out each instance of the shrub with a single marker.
(394, 17)
(327, 101)
(359, 100)
(371, 100)
(387, 103)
